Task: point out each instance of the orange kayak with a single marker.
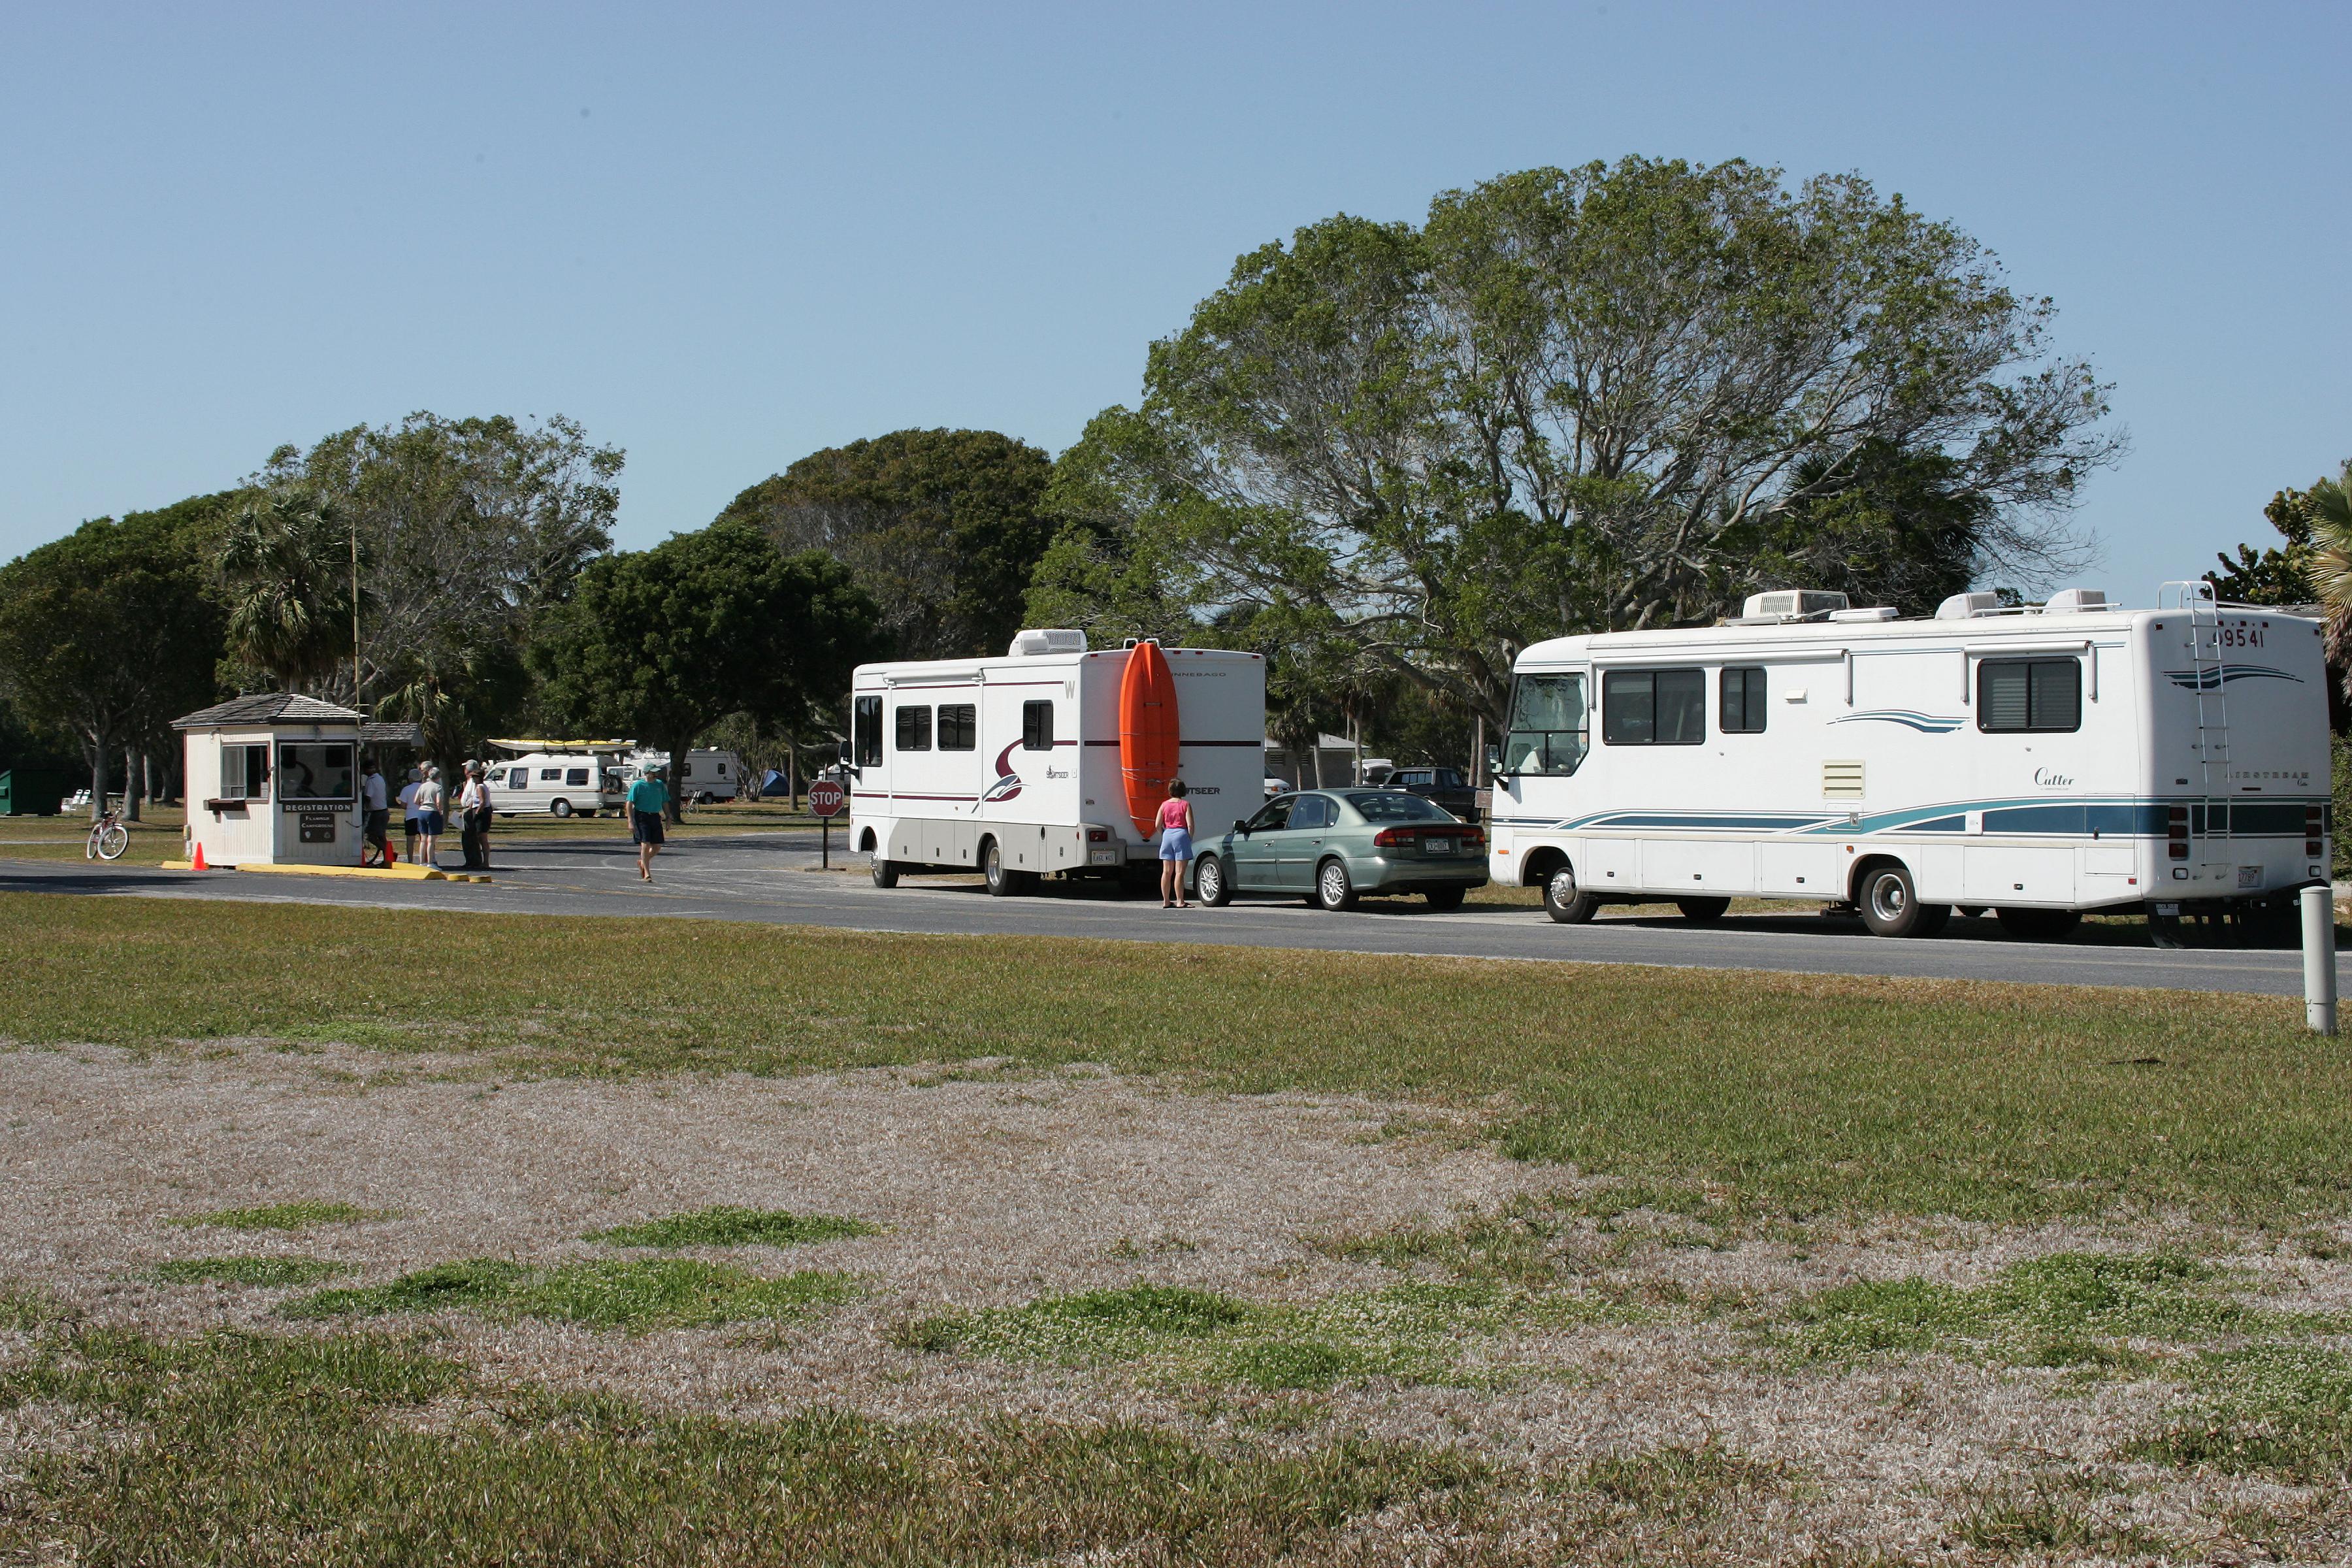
(1148, 733)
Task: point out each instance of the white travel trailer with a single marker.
(709, 775)
(2039, 762)
(1012, 766)
(559, 778)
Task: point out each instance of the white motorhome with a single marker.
(2038, 761)
(559, 778)
(708, 776)
(1011, 765)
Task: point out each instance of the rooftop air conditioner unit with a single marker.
(1965, 606)
(2069, 600)
(1791, 605)
(1874, 613)
(1028, 644)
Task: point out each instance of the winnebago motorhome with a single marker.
(562, 778)
(2070, 756)
(1017, 766)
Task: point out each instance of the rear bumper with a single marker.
(1380, 873)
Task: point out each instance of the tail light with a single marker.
(1098, 835)
(1399, 837)
(1393, 837)
(2314, 827)
(2176, 828)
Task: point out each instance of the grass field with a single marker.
(1770, 1269)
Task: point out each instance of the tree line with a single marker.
(1389, 455)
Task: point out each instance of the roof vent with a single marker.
(2069, 600)
(1030, 643)
(1964, 606)
(1791, 605)
(1875, 613)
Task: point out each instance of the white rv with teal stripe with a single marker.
(2036, 762)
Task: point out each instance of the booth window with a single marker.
(866, 726)
(2029, 695)
(1547, 733)
(245, 772)
(1743, 700)
(315, 770)
(1037, 726)
(1654, 707)
(959, 727)
(915, 729)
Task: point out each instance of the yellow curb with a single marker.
(392, 873)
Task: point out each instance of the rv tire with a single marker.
(560, 808)
(1211, 884)
(2039, 925)
(1699, 911)
(1446, 898)
(1334, 891)
(1890, 904)
(1002, 881)
(886, 872)
(1563, 901)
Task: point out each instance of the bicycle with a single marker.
(108, 838)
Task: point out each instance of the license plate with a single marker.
(1105, 858)
(2250, 876)
(1438, 846)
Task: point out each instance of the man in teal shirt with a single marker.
(648, 798)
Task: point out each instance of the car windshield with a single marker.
(1395, 805)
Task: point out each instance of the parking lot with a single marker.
(773, 878)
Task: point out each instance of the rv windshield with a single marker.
(1547, 725)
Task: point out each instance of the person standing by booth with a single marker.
(648, 798)
(430, 804)
(470, 799)
(408, 815)
(378, 815)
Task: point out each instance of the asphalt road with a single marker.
(772, 878)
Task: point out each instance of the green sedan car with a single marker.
(1331, 846)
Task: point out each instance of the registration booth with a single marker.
(273, 780)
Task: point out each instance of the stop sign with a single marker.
(827, 798)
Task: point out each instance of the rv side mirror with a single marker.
(845, 754)
(1494, 761)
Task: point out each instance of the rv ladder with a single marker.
(2212, 700)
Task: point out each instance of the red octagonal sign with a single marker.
(827, 798)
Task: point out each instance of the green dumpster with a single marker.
(33, 792)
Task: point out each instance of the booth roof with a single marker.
(269, 708)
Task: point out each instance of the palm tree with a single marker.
(2326, 509)
(286, 563)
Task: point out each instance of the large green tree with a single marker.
(665, 643)
(941, 527)
(109, 634)
(1612, 396)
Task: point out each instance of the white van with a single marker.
(569, 781)
(1011, 765)
(2038, 761)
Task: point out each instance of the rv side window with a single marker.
(519, 778)
(2029, 695)
(575, 777)
(915, 729)
(1037, 726)
(959, 727)
(1743, 700)
(866, 728)
(1547, 733)
(550, 776)
(1654, 707)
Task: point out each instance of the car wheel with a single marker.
(1563, 901)
(1333, 890)
(1444, 898)
(2038, 925)
(1699, 911)
(1001, 879)
(1891, 907)
(560, 808)
(1211, 884)
(886, 872)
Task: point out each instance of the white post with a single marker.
(2319, 958)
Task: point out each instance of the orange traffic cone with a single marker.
(390, 855)
(198, 863)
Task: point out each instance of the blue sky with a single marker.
(723, 237)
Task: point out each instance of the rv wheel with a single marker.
(1891, 907)
(562, 808)
(1562, 901)
(886, 872)
(1698, 912)
(1210, 883)
(2038, 925)
(1003, 880)
(1446, 898)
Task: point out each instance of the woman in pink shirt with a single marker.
(1175, 846)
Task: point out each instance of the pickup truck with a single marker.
(1445, 786)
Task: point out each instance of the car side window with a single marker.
(1276, 816)
(1314, 811)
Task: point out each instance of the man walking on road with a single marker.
(648, 798)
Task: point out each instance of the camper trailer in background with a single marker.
(708, 776)
(2038, 761)
(1012, 766)
(558, 778)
